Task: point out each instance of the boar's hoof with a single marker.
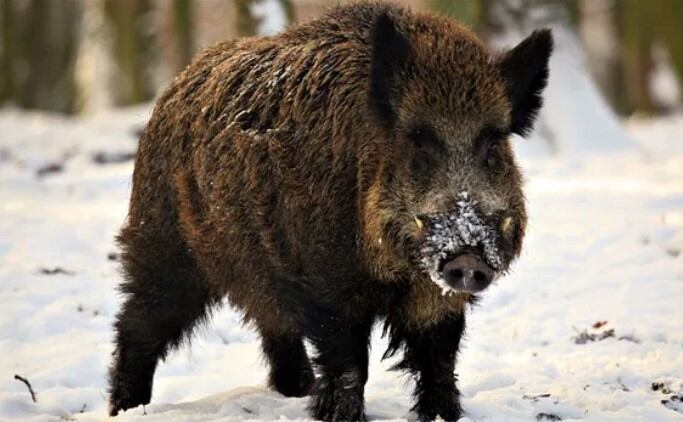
(444, 404)
(333, 402)
(124, 402)
(293, 382)
(127, 396)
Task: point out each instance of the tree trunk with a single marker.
(669, 22)
(44, 44)
(246, 24)
(183, 23)
(6, 50)
(598, 29)
(129, 22)
(636, 42)
(468, 12)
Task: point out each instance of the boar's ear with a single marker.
(525, 71)
(390, 50)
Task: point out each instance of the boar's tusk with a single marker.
(506, 224)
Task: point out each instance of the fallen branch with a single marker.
(28, 384)
(55, 270)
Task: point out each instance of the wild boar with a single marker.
(351, 170)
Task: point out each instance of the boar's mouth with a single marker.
(456, 233)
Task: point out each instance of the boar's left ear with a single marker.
(390, 50)
(525, 71)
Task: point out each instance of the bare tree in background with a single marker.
(129, 25)
(246, 24)
(597, 27)
(39, 41)
(668, 20)
(636, 54)
(6, 50)
(81, 55)
(618, 36)
(184, 30)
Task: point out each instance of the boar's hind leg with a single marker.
(429, 354)
(342, 359)
(290, 369)
(165, 297)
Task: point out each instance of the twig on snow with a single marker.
(28, 384)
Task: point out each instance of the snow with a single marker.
(663, 81)
(270, 15)
(452, 231)
(575, 118)
(604, 250)
(604, 244)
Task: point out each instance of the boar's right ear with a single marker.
(525, 71)
(390, 50)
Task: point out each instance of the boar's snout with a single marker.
(468, 273)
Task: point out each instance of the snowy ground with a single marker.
(604, 246)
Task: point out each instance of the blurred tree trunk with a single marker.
(290, 11)
(486, 24)
(246, 24)
(622, 64)
(129, 23)
(183, 23)
(635, 29)
(95, 62)
(6, 49)
(468, 12)
(215, 21)
(669, 24)
(41, 38)
(598, 28)
(491, 18)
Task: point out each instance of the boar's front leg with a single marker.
(429, 354)
(342, 360)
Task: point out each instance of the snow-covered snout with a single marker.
(463, 249)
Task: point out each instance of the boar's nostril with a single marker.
(456, 274)
(468, 273)
(480, 276)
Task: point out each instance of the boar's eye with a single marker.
(423, 137)
(488, 142)
(426, 152)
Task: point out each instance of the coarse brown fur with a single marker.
(266, 175)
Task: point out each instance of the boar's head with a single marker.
(446, 200)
